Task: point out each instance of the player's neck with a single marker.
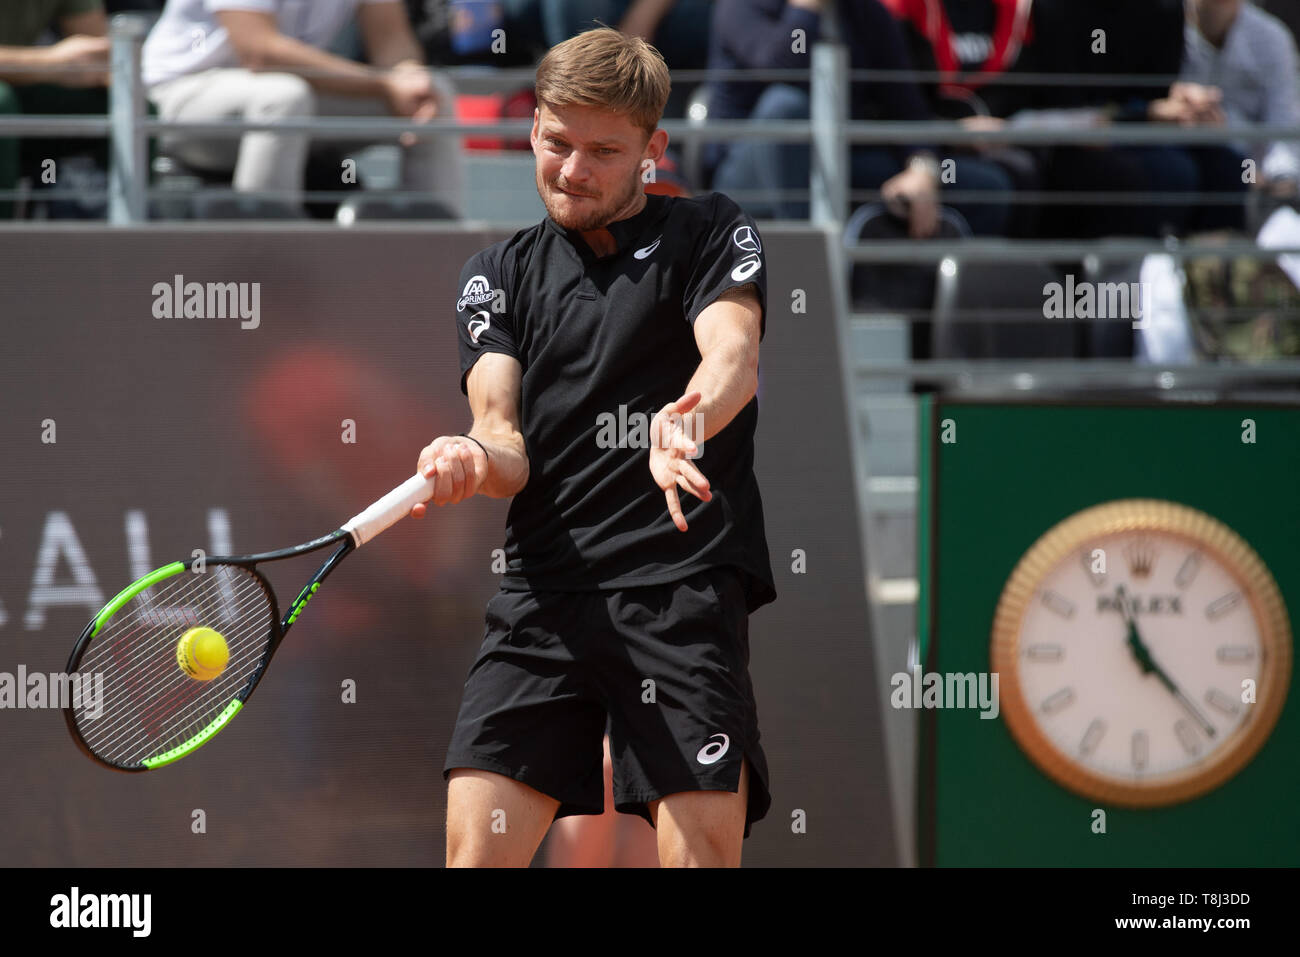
(601, 240)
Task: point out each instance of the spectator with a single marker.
(677, 28)
(1127, 37)
(450, 33)
(1240, 54)
(265, 60)
(69, 77)
(971, 43)
(757, 34)
(1288, 11)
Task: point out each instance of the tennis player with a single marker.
(610, 358)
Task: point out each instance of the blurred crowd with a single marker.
(954, 60)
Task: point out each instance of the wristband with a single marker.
(479, 444)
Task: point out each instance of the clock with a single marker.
(1143, 652)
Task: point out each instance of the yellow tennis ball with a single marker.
(202, 653)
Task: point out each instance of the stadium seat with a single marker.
(227, 205)
(904, 287)
(974, 308)
(380, 205)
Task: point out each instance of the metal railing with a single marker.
(829, 131)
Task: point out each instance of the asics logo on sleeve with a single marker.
(647, 250)
(478, 326)
(746, 240)
(712, 752)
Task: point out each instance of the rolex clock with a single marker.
(1144, 653)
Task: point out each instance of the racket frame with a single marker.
(354, 533)
(279, 626)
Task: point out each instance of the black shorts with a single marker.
(667, 665)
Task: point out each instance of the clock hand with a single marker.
(1149, 666)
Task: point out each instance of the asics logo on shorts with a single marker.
(712, 752)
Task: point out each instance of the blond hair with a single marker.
(608, 69)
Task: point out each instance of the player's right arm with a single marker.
(492, 379)
(496, 467)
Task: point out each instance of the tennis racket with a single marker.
(151, 711)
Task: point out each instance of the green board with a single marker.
(1014, 471)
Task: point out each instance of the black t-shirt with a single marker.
(604, 343)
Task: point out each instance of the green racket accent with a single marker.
(133, 589)
(200, 739)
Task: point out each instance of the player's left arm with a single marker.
(727, 332)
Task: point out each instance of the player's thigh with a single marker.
(682, 706)
(586, 840)
(529, 718)
(702, 828)
(493, 820)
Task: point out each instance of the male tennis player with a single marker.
(610, 357)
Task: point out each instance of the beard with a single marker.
(593, 214)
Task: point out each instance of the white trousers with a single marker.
(274, 162)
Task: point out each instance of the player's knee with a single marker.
(466, 847)
(461, 851)
(281, 94)
(703, 847)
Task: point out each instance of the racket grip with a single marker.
(390, 509)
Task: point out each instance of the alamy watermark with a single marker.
(1094, 300)
(75, 909)
(637, 430)
(950, 690)
(179, 299)
(57, 690)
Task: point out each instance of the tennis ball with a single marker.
(202, 653)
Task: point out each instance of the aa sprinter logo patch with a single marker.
(476, 292)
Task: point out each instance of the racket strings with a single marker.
(168, 687)
(175, 706)
(148, 704)
(157, 706)
(158, 671)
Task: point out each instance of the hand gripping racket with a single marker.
(157, 705)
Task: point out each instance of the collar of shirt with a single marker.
(624, 231)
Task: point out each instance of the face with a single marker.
(589, 164)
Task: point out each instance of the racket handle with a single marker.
(390, 509)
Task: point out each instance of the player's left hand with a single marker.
(670, 448)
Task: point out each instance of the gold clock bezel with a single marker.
(1254, 579)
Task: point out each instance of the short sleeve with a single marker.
(484, 313)
(729, 255)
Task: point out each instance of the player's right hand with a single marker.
(458, 467)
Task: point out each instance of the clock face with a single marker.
(1143, 651)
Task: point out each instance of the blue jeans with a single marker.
(770, 180)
